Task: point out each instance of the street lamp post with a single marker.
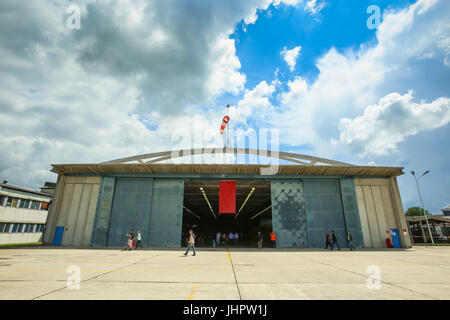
(421, 202)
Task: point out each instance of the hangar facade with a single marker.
(97, 204)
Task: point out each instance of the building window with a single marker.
(24, 203)
(17, 228)
(14, 202)
(29, 227)
(2, 200)
(35, 205)
(44, 206)
(2, 227)
(5, 228)
(8, 201)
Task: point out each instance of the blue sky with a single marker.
(341, 24)
(145, 76)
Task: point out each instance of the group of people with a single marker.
(133, 241)
(260, 239)
(332, 241)
(222, 239)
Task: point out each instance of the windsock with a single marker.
(224, 123)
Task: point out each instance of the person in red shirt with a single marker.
(273, 238)
(327, 241)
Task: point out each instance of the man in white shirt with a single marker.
(138, 241)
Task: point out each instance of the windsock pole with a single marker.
(227, 141)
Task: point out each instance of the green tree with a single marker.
(416, 211)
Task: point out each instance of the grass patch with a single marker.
(20, 244)
(429, 244)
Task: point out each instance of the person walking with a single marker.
(327, 241)
(130, 240)
(236, 238)
(231, 238)
(273, 238)
(260, 239)
(191, 243)
(139, 240)
(300, 242)
(223, 241)
(334, 241)
(129, 243)
(218, 235)
(350, 241)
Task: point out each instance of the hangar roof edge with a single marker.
(171, 168)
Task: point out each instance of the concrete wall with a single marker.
(74, 209)
(21, 215)
(380, 210)
(25, 237)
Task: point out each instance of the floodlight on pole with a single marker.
(421, 202)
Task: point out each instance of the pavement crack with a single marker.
(234, 273)
(383, 281)
(95, 277)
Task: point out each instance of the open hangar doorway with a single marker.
(201, 212)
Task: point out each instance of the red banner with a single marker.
(227, 197)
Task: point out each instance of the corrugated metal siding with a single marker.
(378, 211)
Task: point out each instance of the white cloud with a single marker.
(255, 104)
(349, 81)
(314, 6)
(382, 126)
(290, 56)
(117, 88)
(134, 79)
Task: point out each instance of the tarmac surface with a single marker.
(216, 274)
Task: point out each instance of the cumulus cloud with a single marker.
(290, 56)
(134, 77)
(351, 80)
(382, 126)
(255, 103)
(138, 76)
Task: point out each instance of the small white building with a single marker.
(23, 214)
